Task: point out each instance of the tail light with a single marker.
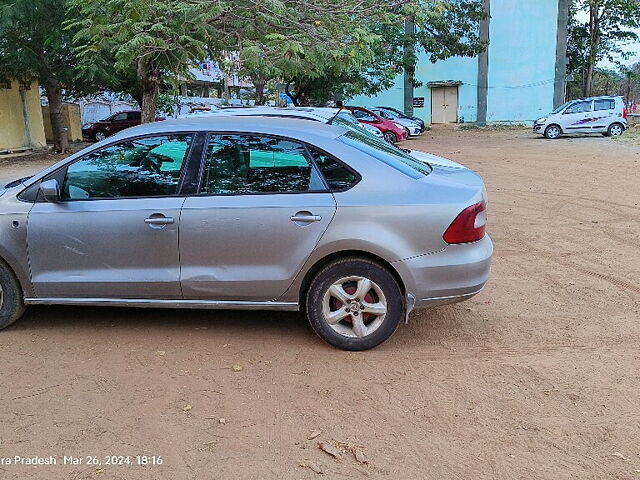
(469, 225)
(625, 113)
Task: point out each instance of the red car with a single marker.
(118, 121)
(393, 132)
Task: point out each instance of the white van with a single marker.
(605, 115)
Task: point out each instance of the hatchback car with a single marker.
(605, 115)
(393, 131)
(413, 128)
(245, 213)
(401, 114)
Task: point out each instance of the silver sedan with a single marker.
(247, 213)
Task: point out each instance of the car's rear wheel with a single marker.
(552, 132)
(390, 137)
(100, 135)
(615, 130)
(354, 304)
(11, 299)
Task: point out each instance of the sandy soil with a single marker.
(535, 378)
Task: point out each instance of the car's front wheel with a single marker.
(390, 137)
(100, 135)
(552, 132)
(11, 299)
(354, 304)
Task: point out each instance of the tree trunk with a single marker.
(150, 80)
(588, 81)
(54, 95)
(259, 85)
(594, 45)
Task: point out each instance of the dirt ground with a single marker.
(537, 377)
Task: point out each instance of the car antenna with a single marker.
(334, 117)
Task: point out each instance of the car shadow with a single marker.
(152, 325)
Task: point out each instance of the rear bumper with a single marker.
(451, 275)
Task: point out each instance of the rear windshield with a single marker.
(392, 156)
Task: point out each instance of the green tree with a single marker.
(610, 23)
(158, 39)
(35, 44)
(360, 47)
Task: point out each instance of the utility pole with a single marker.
(409, 72)
(559, 86)
(483, 66)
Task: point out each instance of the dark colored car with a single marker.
(393, 132)
(118, 121)
(401, 114)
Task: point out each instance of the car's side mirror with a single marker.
(50, 190)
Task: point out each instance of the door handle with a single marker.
(159, 220)
(305, 217)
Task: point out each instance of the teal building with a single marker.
(520, 77)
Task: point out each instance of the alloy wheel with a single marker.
(354, 306)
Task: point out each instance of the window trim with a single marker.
(348, 167)
(61, 173)
(308, 156)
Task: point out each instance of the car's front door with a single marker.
(578, 117)
(114, 231)
(261, 210)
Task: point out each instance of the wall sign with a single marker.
(418, 102)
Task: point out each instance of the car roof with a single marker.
(599, 97)
(241, 124)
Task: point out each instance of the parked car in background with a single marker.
(393, 132)
(606, 115)
(413, 128)
(247, 213)
(113, 124)
(401, 114)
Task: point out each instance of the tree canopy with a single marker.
(609, 25)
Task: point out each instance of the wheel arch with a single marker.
(321, 263)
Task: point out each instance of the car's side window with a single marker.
(579, 107)
(133, 116)
(337, 175)
(143, 167)
(360, 115)
(247, 164)
(120, 116)
(604, 104)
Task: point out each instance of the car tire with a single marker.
(11, 298)
(552, 132)
(615, 130)
(341, 318)
(390, 137)
(100, 135)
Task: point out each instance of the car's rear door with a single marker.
(261, 210)
(114, 232)
(604, 110)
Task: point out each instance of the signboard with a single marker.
(418, 102)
